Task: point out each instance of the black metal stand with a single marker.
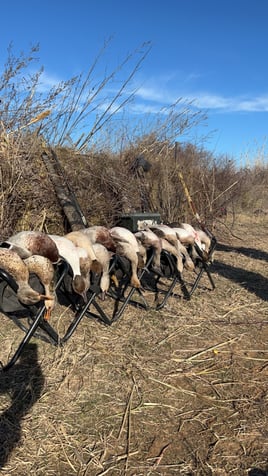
(204, 263)
(117, 296)
(172, 276)
(35, 320)
(121, 296)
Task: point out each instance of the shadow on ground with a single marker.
(257, 472)
(250, 252)
(23, 383)
(252, 282)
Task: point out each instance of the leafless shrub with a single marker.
(126, 168)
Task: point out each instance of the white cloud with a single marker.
(143, 108)
(212, 101)
(156, 93)
(151, 94)
(166, 89)
(205, 100)
(47, 82)
(258, 104)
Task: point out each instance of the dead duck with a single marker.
(28, 243)
(127, 245)
(162, 230)
(201, 240)
(104, 258)
(82, 240)
(169, 235)
(204, 239)
(167, 246)
(192, 231)
(150, 240)
(186, 237)
(85, 268)
(13, 264)
(44, 270)
(70, 253)
(104, 248)
(100, 234)
(166, 232)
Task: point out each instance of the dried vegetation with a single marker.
(182, 390)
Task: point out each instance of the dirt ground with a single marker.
(178, 391)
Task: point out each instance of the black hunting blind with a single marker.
(138, 221)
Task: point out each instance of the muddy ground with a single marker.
(178, 391)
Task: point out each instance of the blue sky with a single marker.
(211, 52)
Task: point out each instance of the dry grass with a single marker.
(181, 391)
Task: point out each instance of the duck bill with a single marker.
(84, 296)
(115, 280)
(47, 314)
(103, 295)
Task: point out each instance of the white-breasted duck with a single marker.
(27, 243)
(169, 235)
(127, 245)
(149, 239)
(83, 241)
(69, 252)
